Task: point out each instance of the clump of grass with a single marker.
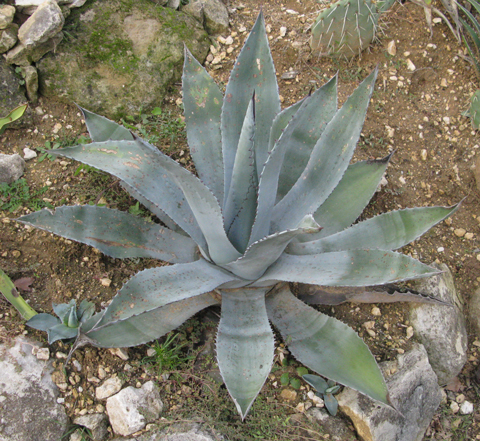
(18, 194)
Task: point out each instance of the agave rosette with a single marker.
(273, 202)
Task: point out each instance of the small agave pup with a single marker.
(273, 203)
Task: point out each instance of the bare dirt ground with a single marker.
(416, 112)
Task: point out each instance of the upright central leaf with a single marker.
(253, 72)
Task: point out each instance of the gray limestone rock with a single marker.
(131, 409)
(336, 428)
(474, 311)
(174, 4)
(180, 432)
(28, 406)
(7, 13)
(11, 167)
(413, 388)
(195, 9)
(22, 55)
(42, 25)
(30, 75)
(128, 69)
(216, 16)
(441, 329)
(12, 95)
(96, 423)
(8, 37)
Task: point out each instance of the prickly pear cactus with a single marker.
(347, 27)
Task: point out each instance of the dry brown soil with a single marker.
(416, 112)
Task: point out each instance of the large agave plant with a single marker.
(273, 203)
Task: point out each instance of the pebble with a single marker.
(460, 232)
(423, 154)
(376, 311)
(288, 394)
(268, 28)
(409, 332)
(460, 398)
(440, 249)
(229, 40)
(110, 387)
(392, 48)
(369, 325)
(444, 83)
(101, 372)
(105, 282)
(151, 352)
(454, 407)
(43, 354)
(446, 120)
(57, 128)
(77, 365)
(29, 154)
(469, 236)
(120, 352)
(300, 407)
(466, 408)
(410, 65)
(60, 355)
(221, 39)
(283, 31)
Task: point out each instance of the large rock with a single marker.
(413, 388)
(43, 24)
(474, 311)
(131, 409)
(8, 37)
(22, 55)
(212, 13)
(12, 95)
(11, 167)
(96, 423)
(335, 426)
(128, 69)
(179, 432)
(441, 329)
(28, 407)
(7, 13)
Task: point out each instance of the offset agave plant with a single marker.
(273, 203)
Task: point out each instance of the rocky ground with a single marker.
(416, 110)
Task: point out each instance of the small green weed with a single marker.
(44, 154)
(169, 355)
(161, 126)
(18, 194)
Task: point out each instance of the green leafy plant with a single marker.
(7, 288)
(15, 114)
(274, 203)
(347, 27)
(67, 323)
(286, 379)
(168, 355)
(45, 151)
(325, 390)
(18, 194)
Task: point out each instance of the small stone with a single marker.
(151, 352)
(454, 407)
(29, 154)
(423, 154)
(101, 372)
(410, 65)
(444, 83)
(440, 249)
(376, 311)
(446, 119)
(120, 352)
(300, 407)
(283, 31)
(105, 282)
(459, 232)
(43, 354)
(369, 325)
(460, 398)
(468, 236)
(466, 408)
(221, 39)
(77, 365)
(288, 394)
(229, 40)
(409, 332)
(392, 48)
(61, 355)
(110, 387)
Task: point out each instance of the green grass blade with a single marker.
(388, 231)
(202, 100)
(7, 288)
(347, 268)
(244, 345)
(115, 233)
(326, 345)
